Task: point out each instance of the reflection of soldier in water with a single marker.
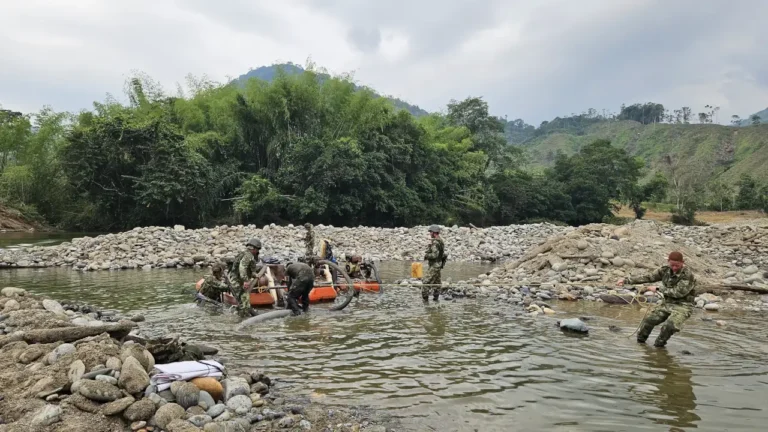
(674, 397)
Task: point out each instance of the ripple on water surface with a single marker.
(467, 365)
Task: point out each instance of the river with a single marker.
(465, 365)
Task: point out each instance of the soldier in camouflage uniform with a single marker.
(301, 280)
(309, 240)
(215, 283)
(679, 286)
(435, 257)
(246, 268)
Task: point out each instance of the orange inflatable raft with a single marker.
(367, 286)
(319, 294)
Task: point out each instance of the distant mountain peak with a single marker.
(268, 73)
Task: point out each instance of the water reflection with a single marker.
(674, 397)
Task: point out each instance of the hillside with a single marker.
(763, 118)
(268, 73)
(725, 150)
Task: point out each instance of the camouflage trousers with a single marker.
(672, 315)
(432, 277)
(244, 300)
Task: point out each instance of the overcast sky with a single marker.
(532, 59)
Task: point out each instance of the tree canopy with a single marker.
(296, 148)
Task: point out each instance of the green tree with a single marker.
(721, 195)
(593, 177)
(655, 189)
(748, 197)
(644, 113)
(487, 131)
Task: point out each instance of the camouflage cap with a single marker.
(434, 228)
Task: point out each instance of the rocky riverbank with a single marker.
(586, 263)
(162, 247)
(75, 368)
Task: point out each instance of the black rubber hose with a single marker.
(350, 291)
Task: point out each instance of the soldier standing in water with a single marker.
(679, 290)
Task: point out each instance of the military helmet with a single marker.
(434, 229)
(307, 225)
(217, 267)
(256, 243)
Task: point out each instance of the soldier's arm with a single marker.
(222, 285)
(653, 277)
(432, 252)
(682, 288)
(242, 267)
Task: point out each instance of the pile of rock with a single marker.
(601, 254)
(162, 247)
(57, 375)
(586, 263)
(744, 246)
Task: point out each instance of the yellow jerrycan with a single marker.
(417, 270)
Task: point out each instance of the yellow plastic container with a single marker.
(417, 270)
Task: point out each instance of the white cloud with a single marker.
(529, 59)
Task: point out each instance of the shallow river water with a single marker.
(465, 365)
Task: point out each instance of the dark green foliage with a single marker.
(269, 73)
(301, 147)
(748, 197)
(653, 190)
(137, 171)
(518, 131)
(595, 176)
(644, 113)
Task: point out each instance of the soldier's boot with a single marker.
(425, 294)
(293, 305)
(436, 294)
(645, 331)
(667, 330)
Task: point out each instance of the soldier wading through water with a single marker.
(679, 290)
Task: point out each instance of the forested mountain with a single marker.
(726, 152)
(756, 118)
(268, 73)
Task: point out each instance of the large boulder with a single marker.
(60, 351)
(13, 292)
(187, 395)
(239, 402)
(179, 425)
(139, 353)
(117, 406)
(168, 413)
(235, 386)
(133, 376)
(141, 410)
(47, 415)
(53, 306)
(99, 391)
(573, 325)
